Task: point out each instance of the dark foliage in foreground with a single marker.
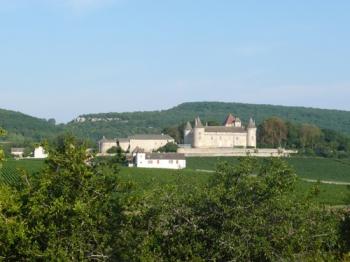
(76, 210)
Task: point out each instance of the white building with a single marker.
(39, 153)
(232, 134)
(160, 160)
(17, 152)
(148, 143)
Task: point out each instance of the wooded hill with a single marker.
(22, 127)
(123, 124)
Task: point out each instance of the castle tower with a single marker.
(188, 134)
(238, 122)
(198, 132)
(251, 134)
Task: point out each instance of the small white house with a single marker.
(39, 152)
(17, 152)
(160, 160)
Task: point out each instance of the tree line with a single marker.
(26, 129)
(307, 138)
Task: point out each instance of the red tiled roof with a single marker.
(229, 120)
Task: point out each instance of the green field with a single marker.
(149, 179)
(311, 168)
(11, 169)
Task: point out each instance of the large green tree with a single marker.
(247, 213)
(71, 211)
(310, 135)
(272, 132)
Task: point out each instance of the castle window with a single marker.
(150, 162)
(171, 161)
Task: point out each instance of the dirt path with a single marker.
(340, 183)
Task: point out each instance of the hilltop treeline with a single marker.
(72, 211)
(125, 124)
(24, 130)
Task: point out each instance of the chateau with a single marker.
(148, 143)
(232, 134)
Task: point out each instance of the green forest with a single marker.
(155, 121)
(22, 127)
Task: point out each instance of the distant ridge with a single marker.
(24, 128)
(94, 126)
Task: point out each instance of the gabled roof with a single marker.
(165, 156)
(230, 120)
(123, 140)
(225, 129)
(17, 150)
(151, 137)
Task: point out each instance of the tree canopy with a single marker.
(308, 139)
(72, 211)
(240, 217)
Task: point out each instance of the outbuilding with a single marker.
(160, 160)
(17, 152)
(40, 153)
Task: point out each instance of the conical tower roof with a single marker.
(251, 123)
(188, 126)
(198, 122)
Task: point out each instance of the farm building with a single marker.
(160, 160)
(17, 152)
(40, 153)
(147, 142)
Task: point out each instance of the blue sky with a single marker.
(62, 58)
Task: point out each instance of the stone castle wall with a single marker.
(222, 140)
(212, 152)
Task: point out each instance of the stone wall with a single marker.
(106, 145)
(219, 139)
(148, 145)
(258, 152)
